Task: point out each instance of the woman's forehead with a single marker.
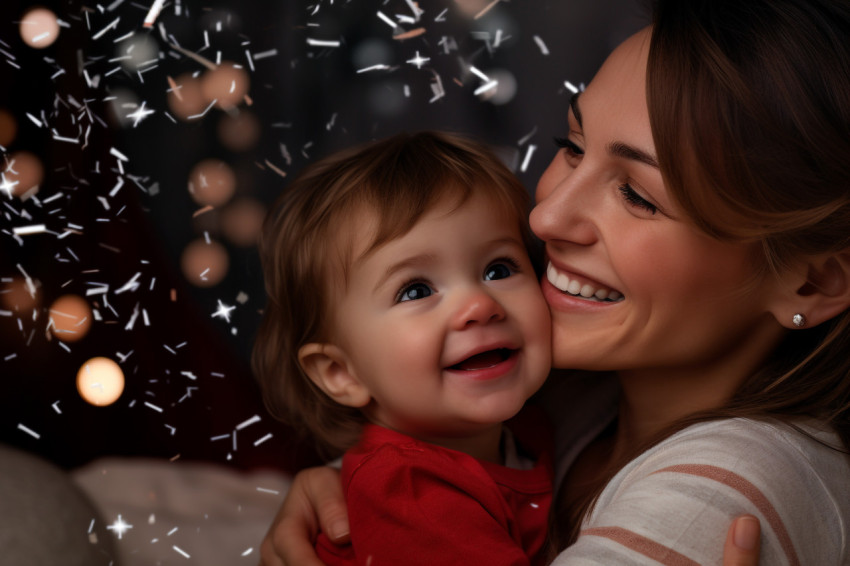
(615, 100)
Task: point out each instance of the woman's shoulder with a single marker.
(805, 440)
(757, 450)
(685, 490)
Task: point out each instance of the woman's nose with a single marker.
(566, 206)
(477, 307)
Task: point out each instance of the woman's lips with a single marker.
(581, 288)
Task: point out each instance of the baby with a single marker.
(404, 325)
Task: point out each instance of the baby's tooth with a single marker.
(614, 295)
(587, 291)
(601, 294)
(574, 287)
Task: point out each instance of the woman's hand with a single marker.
(314, 502)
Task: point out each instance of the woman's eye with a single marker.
(499, 271)
(413, 292)
(634, 199)
(569, 147)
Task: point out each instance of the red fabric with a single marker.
(410, 502)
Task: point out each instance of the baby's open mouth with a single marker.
(484, 360)
(574, 287)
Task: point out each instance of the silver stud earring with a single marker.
(799, 320)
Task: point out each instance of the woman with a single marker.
(705, 184)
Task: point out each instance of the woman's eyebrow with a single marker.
(617, 148)
(574, 106)
(620, 149)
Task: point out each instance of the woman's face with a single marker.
(631, 283)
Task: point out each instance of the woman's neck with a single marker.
(653, 399)
(649, 404)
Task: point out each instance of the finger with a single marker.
(324, 489)
(268, 556)
(290, 538)
(743, 543)
(288, 545)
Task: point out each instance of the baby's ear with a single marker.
(328, 367)
(822, 291)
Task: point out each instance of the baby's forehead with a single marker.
(365, 228)
(385, 225)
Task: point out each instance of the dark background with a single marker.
(307, 101)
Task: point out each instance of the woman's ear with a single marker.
(328, 367)
(823, 294)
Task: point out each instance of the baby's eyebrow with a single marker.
(408, 262)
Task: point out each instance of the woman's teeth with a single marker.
(578, 289)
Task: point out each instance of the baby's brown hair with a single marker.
(305, 252)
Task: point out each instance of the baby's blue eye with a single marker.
(414, 292)
(497, 271)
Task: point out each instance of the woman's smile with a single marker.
(581, 287)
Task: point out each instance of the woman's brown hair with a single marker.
(749, 103)
(305, 249)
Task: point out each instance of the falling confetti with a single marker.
(117, 103)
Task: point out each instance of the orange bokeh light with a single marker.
(16, 295)
(204, 264)
(25, 169)
(100, 381)
(70, 318)
(242, 220)
(185, 98)
(212, 182)
(227, 84)
(39, 28)
(239, 131)
(8, 128)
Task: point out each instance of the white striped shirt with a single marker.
(674, 504)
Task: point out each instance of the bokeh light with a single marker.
(505, 89)
(70, 318)
(25, 169)
(137, 51)
(122, 103)
(184, 97)
(212, 182)
(204, 264)
(100, 381)
(39, 28)
(8, 128)
(16, 296)
(372, 51)
(227, 84)
(242, 220)
(239, 131)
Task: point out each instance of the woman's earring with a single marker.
(799, 320)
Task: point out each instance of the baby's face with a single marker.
(446, 326)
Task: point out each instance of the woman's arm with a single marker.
(315, 501)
